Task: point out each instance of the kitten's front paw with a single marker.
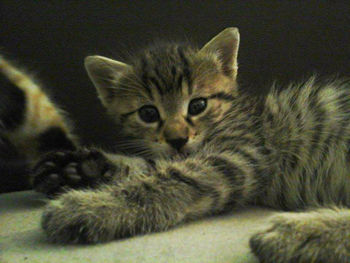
(80, 216)
(302, 237)
(62, 170)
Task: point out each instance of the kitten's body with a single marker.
(208, 148)
(307, 128)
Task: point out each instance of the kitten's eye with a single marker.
(149, 114)
(197, 106)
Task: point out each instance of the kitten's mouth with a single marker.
(168, 152)
(182, 153)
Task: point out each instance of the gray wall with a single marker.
(280, 39)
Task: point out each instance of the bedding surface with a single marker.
(216, 239)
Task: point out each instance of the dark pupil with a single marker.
(197, 106)
(149, 114)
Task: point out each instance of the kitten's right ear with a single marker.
(104, 73)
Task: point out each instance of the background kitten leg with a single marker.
(319, 236)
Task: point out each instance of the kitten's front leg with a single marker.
(154, 199)
(113, 211)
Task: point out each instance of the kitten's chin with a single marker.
(166, 151)
(180, 154)
(171, 153)
(183, 153)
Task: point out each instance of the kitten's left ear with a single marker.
(104, 73)
(225, 44)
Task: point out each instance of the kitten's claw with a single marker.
(59, 171)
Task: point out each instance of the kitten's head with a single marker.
(170, 96)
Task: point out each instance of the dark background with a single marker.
(284, 40)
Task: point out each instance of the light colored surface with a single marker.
(217, 239)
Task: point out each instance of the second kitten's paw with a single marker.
(62, 170)
(303, 237)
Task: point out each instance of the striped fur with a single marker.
(289, 151)
(30, 124)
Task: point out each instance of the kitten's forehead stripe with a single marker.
(173, 72)
(145, 78)
(157, 85)
(161, 78)
(186, 69)
(179, 82)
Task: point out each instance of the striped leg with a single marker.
(160, 198)
(321, 235)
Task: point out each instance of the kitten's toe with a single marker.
(49, 174)
(71, 174)
(47, 179)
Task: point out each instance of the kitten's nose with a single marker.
(177, 143)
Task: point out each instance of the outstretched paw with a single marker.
(80, 216)
(62, 170)
(304, 237)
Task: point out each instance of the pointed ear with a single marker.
(104, 73)
(225, 44)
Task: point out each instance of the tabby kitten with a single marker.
(207, 147)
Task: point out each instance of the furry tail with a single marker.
(30, 125)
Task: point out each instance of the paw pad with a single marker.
(59, 171)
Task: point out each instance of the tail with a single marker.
(30, 126)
